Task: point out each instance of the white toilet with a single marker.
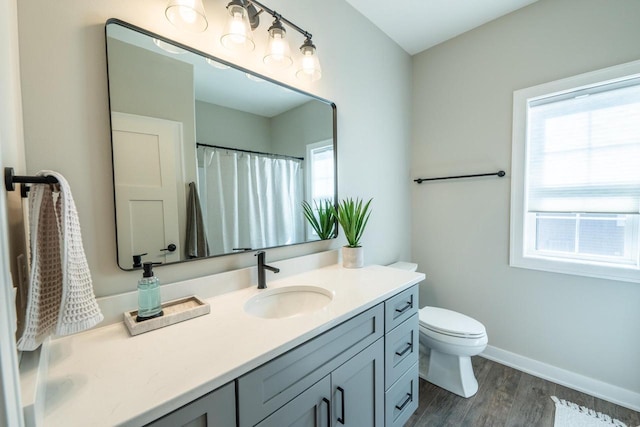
(452, 338)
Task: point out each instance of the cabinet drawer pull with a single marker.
(408, 348)
(405, 308)
(405, 403)
(341, 390)
(325, 400)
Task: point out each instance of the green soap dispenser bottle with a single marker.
(149, 302)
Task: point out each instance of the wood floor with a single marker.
(506, 397)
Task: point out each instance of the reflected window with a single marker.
(320, 171)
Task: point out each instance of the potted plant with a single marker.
(324, 223)
(353, 216)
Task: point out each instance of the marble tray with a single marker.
(175, 311)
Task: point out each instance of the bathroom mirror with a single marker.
(209, 159)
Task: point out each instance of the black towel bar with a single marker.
(10, 179)
(499, 174)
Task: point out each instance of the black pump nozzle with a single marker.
(137, 260)
(148, 268)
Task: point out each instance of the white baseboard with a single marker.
(599, 389)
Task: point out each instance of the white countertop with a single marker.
(105, 377)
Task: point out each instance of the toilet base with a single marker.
(452, 373)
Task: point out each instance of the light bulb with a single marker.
(187, 14)
(237, 29)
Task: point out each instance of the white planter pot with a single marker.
(352, 257)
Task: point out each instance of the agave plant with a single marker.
(324, 223)
(353, 217)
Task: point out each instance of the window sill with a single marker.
(577, 268)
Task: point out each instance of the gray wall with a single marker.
(66, 117)
(462, 113)
(218, 125)
(293, 130)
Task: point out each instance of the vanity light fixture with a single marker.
(278, 54)
(187, 15)
(244, 17)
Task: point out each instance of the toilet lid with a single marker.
(450, 322)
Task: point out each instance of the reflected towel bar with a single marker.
(10, 179)
(499, 174)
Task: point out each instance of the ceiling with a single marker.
(417, 25)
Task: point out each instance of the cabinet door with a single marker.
(310, 409)
(216, 409)
(358, 389)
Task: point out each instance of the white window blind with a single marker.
(584, 150)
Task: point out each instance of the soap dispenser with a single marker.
(149, 302)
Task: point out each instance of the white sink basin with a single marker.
(288, 301)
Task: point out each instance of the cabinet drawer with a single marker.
(399, 308)
(401, 400)
(401, 350)
(214, 409)
(270, 386)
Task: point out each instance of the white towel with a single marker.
(61, 298)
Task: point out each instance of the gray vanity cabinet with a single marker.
(358, 389)
(312, 408)
(215, 409)
(341, 352)
(352, 395)
(401, 357)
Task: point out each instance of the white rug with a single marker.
(569, 414)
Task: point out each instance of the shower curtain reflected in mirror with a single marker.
(250, 200)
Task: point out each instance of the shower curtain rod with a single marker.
(500, 174)
(199, 144)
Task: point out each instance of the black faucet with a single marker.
(262, 281)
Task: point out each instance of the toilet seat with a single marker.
(451, 323)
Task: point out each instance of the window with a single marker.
(320, 171)
(575, 196)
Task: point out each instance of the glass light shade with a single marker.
(278, 53)
(168, 47)
(237, 31)
(187, 15)
(309, 69)
(254, 78)
(217, 64)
